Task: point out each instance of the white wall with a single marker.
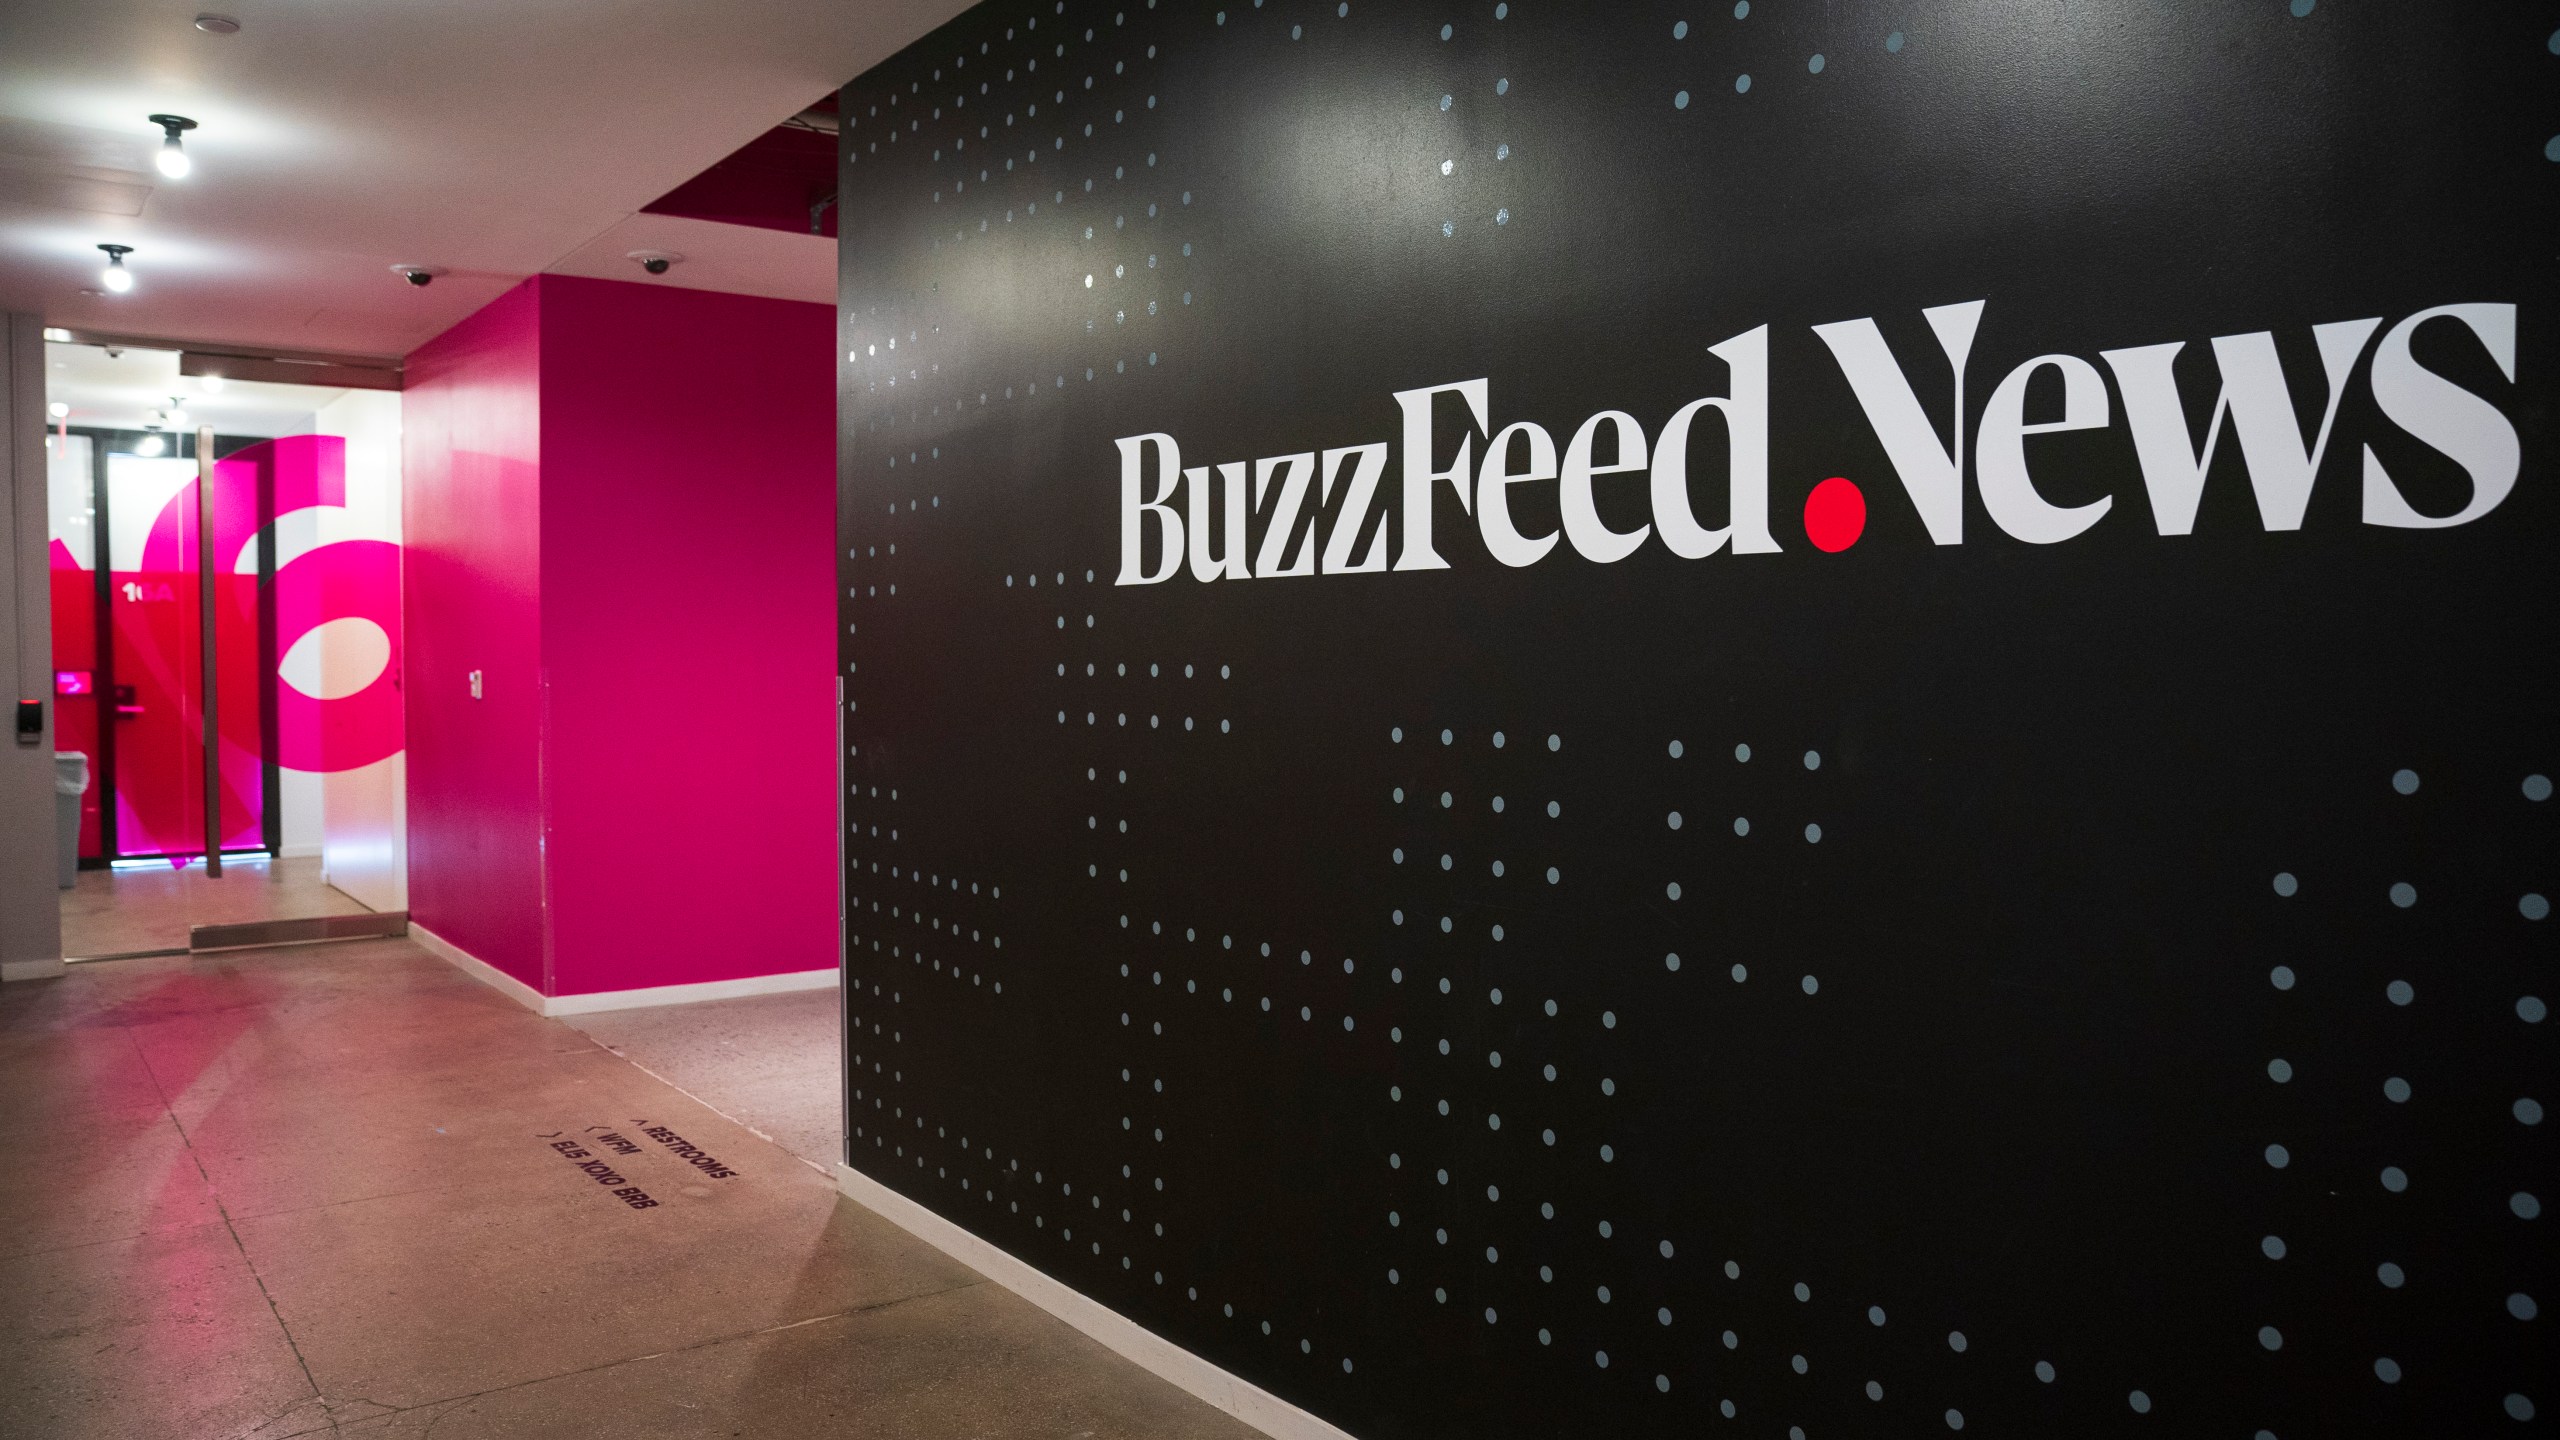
(30, 920)
(363, 813)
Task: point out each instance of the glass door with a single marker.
(130, 636)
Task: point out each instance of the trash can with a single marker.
(70, 782)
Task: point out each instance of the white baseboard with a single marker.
(300, 852)
(698, 991)
(587, 1004)
(1153, 1353)
(32, 970)
(475, 967)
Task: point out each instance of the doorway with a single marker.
(226, 655)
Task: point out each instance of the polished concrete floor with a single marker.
(322, 1191)
(150, 908)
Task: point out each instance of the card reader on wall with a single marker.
(30, 721)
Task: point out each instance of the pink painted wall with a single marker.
(688, 523)
(471, 426)
(622, 506)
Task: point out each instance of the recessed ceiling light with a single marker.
(217, 25)
(172, 160)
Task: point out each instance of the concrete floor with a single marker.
(148, 908)
(317, 1191)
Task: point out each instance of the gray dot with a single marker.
(2526, 1205)
(2140, 1402)
(1811, 985)
(2286, 884)
(2537, 788)
(1741, 973)
(2405, 781)
(2387, 1370)
(1798, 1361)
(1600, 1358)
(2394, 1179)
(1675, 750)
(2396, 1090)
(1448, 737)
(2400, 991)
(2519, 1408)
(1814, 66)
(1874, 1391)
(1956, 1341)
(2391, 1276)
(1680, 31)
(1813, 834)
(2044, 1368)
(2521, 1306)
(1741, 9)
(1893, 43)
(1955, 1418)
(1742, 753)
(1608, 1019)
(1875, 1315)
(2404, 894)
(2528, 1111)
(2303, 7)
(2272, 1247)
(1741, 826)
(1741, 84)
(2281, 977)
(2278, 1156)
(1672, 889)
(1671, 963)
(1663, 1382)
(2533, 907)
(2531, 1009)
(1555, 743)
(2280, 1070)
(1804, 1292)
(1673, 820)
(2270, 1337)
(1813, 759)
(1680, 101)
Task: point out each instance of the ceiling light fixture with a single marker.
(58, 410)
(217, 25)
(115, 277)
(173, 161)
(212, 384)
(176, 414)
(150, 445)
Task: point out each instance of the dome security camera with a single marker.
(420, 276)
(656, 262)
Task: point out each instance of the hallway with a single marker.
(331, 1190)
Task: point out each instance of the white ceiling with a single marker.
(492, 139)
(131, 388)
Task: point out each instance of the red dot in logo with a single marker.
(1835, 515)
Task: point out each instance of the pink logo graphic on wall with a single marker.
(320, 642)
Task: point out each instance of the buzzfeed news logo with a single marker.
(2255, 410)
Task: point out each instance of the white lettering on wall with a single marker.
(2254, 398)
(2466, 429)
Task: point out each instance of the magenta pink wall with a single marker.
(688, 523)
(471, 434)
(626, 492)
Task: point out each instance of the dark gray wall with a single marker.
(2065, 956)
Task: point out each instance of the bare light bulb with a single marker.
(172, 160)
(213, 384)
(115, 277)
(148, 446)
(58, 410)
